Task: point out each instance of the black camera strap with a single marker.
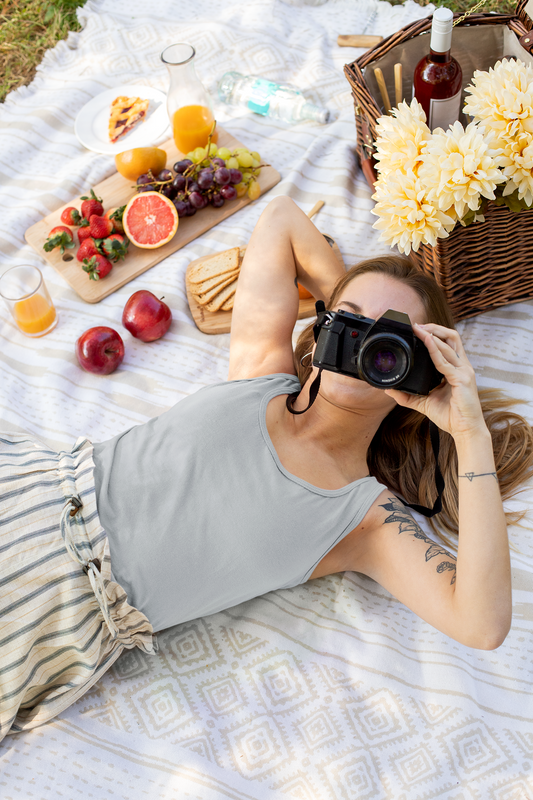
(439, 480)
(313, 391)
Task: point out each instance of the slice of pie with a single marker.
(125, 113)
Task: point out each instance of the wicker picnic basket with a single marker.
(488, 264)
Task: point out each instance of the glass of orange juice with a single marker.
(25, 294)
(188, 104)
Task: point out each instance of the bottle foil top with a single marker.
(441, 30)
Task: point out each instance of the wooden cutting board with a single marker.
(220, 321)
(116, 191)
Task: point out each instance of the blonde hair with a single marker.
(400, 454)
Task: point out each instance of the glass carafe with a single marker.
(189, 106)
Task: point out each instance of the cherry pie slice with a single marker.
(125, 113)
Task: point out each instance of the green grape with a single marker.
(245, 159)
(241, 150)
(257, 172)
(224, 153)
(256, 155)
(213, 149)
(255, 163)
(253, 190)
(242, 188)
(198, 154)
(190, 155)
(246, 175)
(232, 163)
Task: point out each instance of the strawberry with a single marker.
(87, 249)
(84, 230)
(115, 215)
(115, 246)
(91, 205)
(71, 216)
(100, 226)
(97, 267)
(61, 237)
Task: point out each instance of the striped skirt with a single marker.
(63, 621)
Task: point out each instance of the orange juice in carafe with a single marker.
(34, 315)
(191, 127)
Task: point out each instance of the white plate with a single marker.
(92, 123)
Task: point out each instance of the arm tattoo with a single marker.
(407, 524)
(472, 475)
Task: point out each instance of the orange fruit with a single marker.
(303, 293)
(150, 220)
(132, 163)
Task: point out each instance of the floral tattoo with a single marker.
(406, 524)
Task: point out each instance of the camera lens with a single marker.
(384, 360)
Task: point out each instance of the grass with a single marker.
(28, 28)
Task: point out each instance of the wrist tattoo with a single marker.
(407, 524)
(472, 475)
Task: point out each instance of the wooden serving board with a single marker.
(116, 191)
(220, 321)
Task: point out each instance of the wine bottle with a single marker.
(438, 77)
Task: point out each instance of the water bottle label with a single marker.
(262, 91)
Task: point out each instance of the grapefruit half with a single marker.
(150, 220)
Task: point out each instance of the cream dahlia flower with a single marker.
(517, 163)
(459, 167)
(406, 218)
(401, 138)
(502, 98)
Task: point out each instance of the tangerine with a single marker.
(303, 293)
(132, 163)
(150, 220)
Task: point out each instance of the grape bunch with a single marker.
(207, 176)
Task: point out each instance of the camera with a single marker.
(384, 352)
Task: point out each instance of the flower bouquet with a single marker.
(428, 182)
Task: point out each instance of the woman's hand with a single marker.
(454, 405)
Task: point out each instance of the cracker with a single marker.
(213, 266)
(203, 298)
(210, 283)
(222, 297)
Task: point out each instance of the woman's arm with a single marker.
(468, 598)
(284, 247)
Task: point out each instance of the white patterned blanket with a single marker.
(329, 690)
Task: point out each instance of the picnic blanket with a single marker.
(328, 690)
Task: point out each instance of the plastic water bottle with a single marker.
(279, 101)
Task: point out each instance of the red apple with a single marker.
(100, 350)
(146, 317)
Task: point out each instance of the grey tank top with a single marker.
(200, 513)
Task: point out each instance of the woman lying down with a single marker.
(277, 476)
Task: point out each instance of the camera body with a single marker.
(384, 352)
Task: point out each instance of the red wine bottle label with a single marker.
(444, 112)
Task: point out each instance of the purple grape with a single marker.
(169, 191)
(222, 176)
(190, 210)
(217, 200)
(146, 188)
(192, 186)
(181, 207)
(164, 175)
(235, 176)
(218, 162)
(228, 192)
(205, 179)
(181, 166)
(197, 200)
(179, 182)
(142, 179)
